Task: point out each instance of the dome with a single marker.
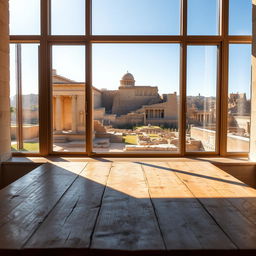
(127, 81)
(128, 76)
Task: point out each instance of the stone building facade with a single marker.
(126, 106)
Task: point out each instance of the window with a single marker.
(201, 98)
(115, 17)
(64, 11)
(131, 97)
(24, 97)
(240, 17)
(239, 100)
(22, 21)
(109, 78)
(203, 17)
(68, 98)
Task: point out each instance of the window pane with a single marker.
(203, 17)
(68, 102)
(239, 100)
(240, 17)
(136, 95)
(24, 97)
(24, 17)
(201, 98)
(144, 17)
(67, 17)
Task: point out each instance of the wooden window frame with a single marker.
(223, 40)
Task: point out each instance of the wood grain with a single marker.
(127, 221)
(128, 208)
(71, 223)
(184, 222)
(206, 186)
(30, 202)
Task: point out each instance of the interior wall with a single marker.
(5, 138)
(10, 172)
(252, 154)
(245, 173)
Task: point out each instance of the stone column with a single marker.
(252, 154)
(74, 113)
(58, 114)
(5, 138)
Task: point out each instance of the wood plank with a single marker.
(206, 186)
(184, 222)
(26, 208)
(127, 222)
(240, 195)
(71, 223)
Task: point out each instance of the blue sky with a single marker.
(202, 70)
(151, 64)
(147, 17)
(203, 17)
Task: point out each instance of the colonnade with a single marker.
(58, 115)
(154, 113)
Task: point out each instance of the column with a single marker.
(252, 153)
(58, 114)
(5, 138)
(74, 113)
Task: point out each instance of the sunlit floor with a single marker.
(128, 208)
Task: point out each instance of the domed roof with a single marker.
(128, 76)
(127, 81)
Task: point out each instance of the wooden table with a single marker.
(128, 208)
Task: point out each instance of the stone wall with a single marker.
(131, 119)
(126, 100)
(243, 122)
(5, 138)
(97, 98)
(107, 99)
(252, 154)
(207, 137)
(30, 132)
(237, 143)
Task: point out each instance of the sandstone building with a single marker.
(126, 106)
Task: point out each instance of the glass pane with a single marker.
(67, 17)
(239, 100)
(203, 17)
(13, 98)
(136, 97)
(68, 98)
(144, 17)
(240, 17)
(24, 97)
(201, 98)
(24, 17)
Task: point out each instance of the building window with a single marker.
(94, 77)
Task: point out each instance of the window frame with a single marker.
(46, 40)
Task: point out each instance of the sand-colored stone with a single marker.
(252, 154)
(5, 149)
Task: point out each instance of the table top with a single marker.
(128, 208)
